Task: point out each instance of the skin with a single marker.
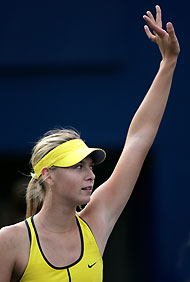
(55, 222)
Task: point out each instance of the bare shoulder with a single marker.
(13, 234)
(12, 240)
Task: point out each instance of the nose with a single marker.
(90, 174)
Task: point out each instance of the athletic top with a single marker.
(88, 267)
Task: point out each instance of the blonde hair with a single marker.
(36, 190)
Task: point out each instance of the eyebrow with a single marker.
(83, 161)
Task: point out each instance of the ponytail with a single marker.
(34, 197)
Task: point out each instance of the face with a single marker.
(74, 185)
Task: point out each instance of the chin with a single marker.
(85, 202)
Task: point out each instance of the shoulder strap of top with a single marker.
(30, 228)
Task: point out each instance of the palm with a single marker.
(166, 39)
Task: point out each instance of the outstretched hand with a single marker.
(166, 39)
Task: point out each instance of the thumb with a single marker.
(170, 30)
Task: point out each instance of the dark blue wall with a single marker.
(88, 64)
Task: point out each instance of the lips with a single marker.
(89, 188)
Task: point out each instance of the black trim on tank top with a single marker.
(30, 238)
(87, 225)
(29, 231)
(90, 231)
(69, 275)
(47, 261)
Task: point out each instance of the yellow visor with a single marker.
(68, 154)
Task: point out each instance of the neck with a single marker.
(56, 218)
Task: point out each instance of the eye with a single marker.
(92, 167)
(78, 166)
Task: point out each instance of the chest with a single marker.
(73, 257)
(43, 249)
(60, 249)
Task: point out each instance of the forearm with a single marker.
(147, 119)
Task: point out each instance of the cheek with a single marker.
(67, 180)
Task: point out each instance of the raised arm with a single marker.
(110, 198)
(147, 118)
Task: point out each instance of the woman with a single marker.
(58, 244)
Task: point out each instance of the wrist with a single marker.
(169, 62)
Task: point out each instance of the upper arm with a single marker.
(7, 254)
(109, 200)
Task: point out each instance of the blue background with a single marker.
(88, 64)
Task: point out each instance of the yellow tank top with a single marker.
(88, 267)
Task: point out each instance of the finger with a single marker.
(171, 31)
(149, 34)
(158, 16)
(173, 37)
(149, 14)
(151, 17)
(158, 30)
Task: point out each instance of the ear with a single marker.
(47, 176)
